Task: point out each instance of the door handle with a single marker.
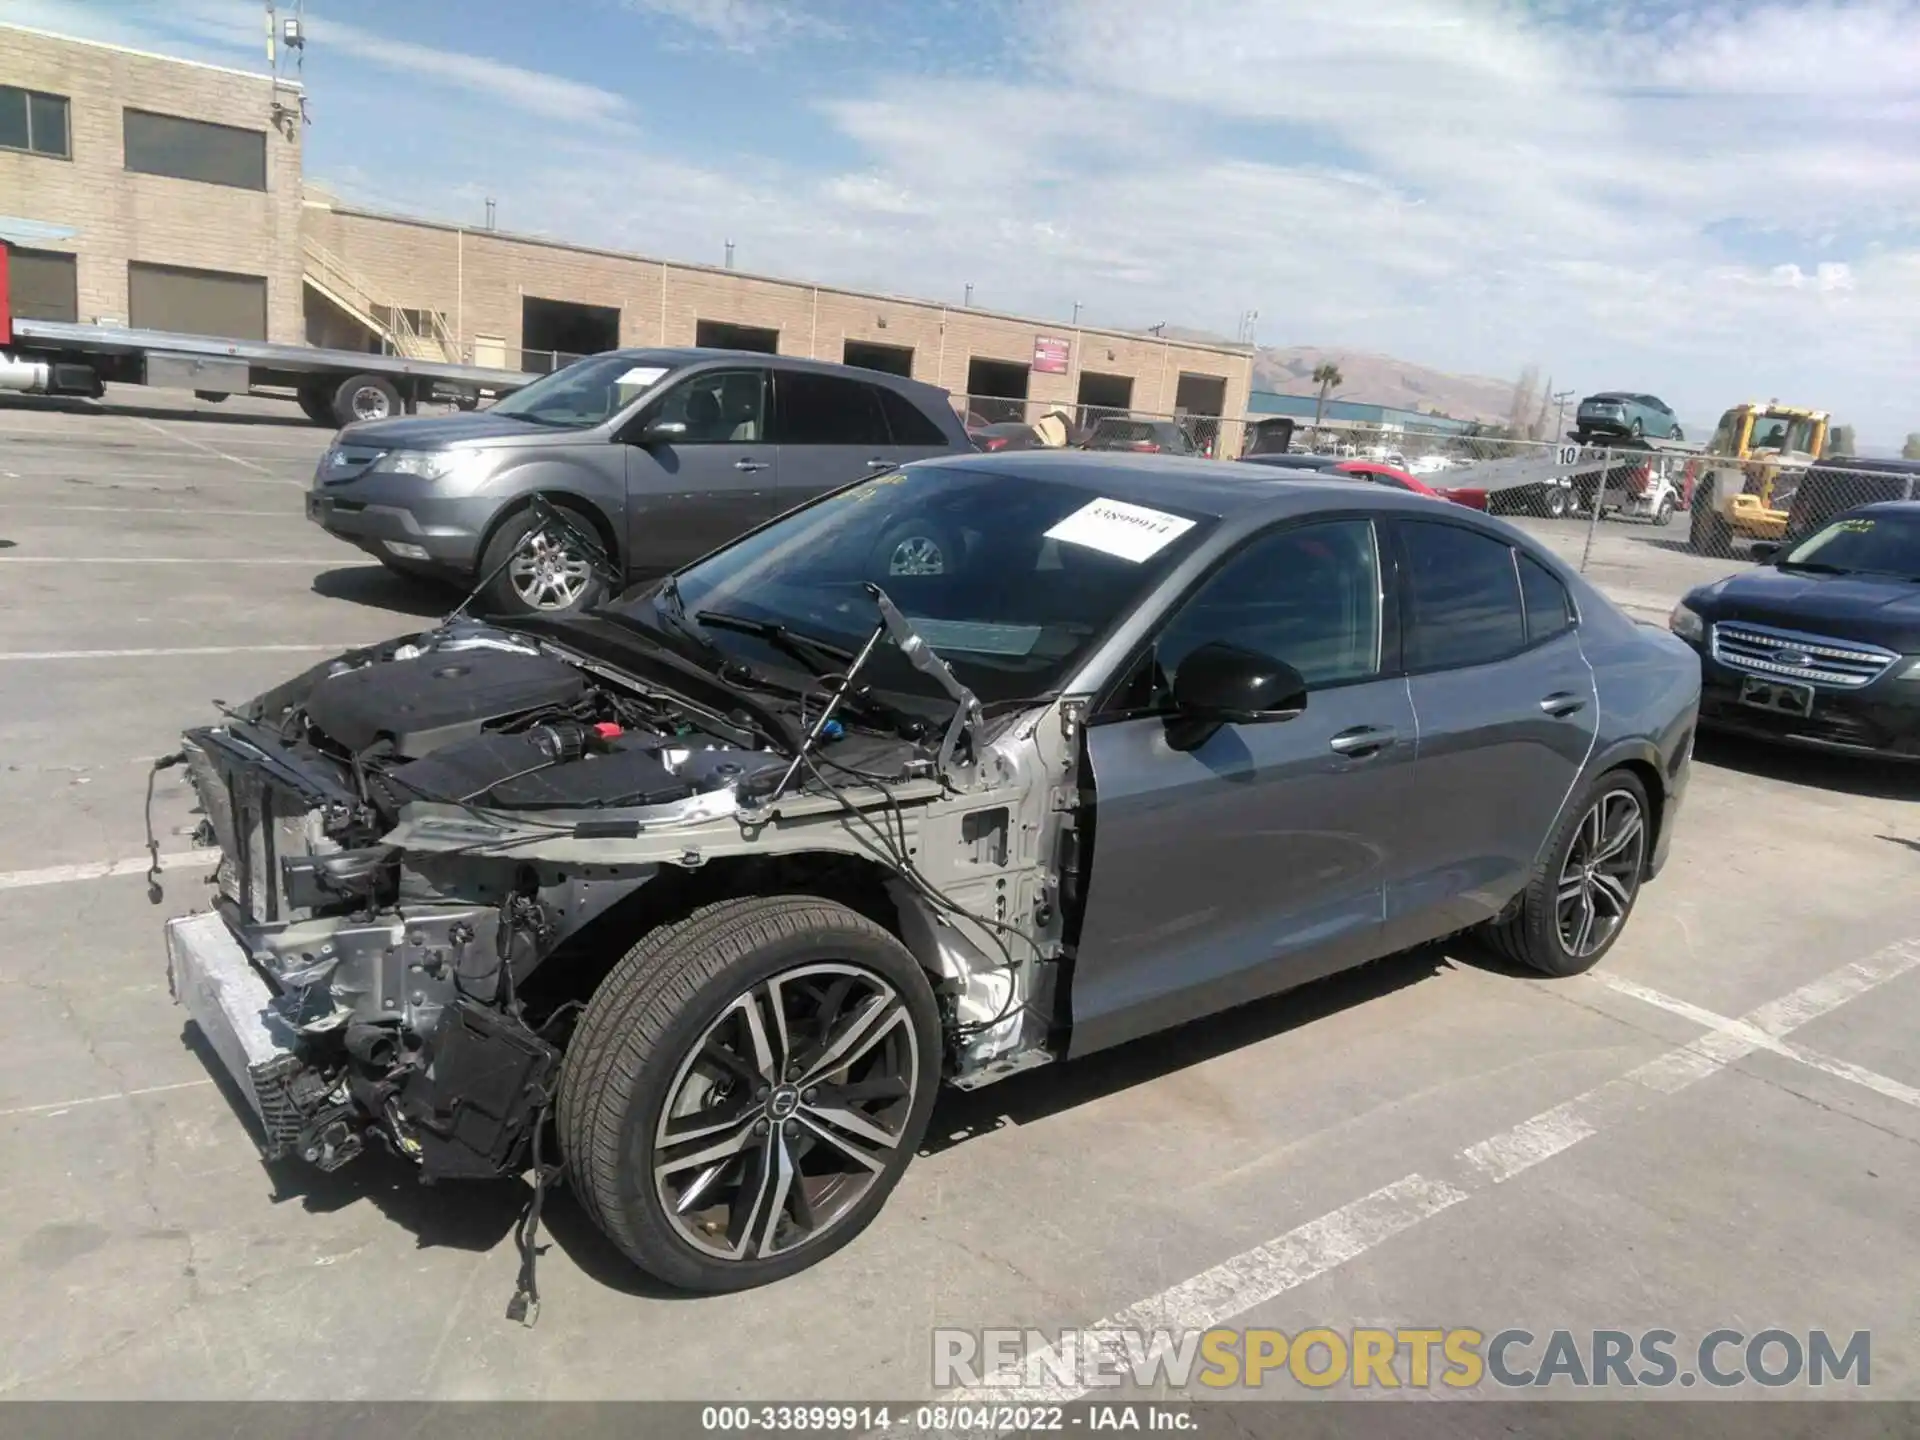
(749, 465)
(1563, 703)
(1363, 740)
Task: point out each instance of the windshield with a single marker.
(1864, 545)
(584, 394)
(1782, 432)
(968, 558)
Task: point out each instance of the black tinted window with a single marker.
(827, 410)
(32, 121)
(195, 150)
(907, 422)
(1549, 608)
(1308, 595)
(1463, 599)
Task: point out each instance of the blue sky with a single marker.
(1711, 202)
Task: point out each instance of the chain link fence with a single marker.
(1003, 422)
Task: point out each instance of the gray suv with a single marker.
(665, 454)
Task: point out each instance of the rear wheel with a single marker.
(1555, 502)
(746, 1087)
(916, 547)
(365, 397)
(1579, 900)
(1637, 430)
(316, 403)
(1708, 532)
(1663, 512)
(1674, 434)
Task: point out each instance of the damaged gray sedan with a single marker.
(700, 897)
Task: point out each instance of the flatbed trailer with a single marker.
(332, 387)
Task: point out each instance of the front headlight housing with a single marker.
(427, 464)
(1687, 624)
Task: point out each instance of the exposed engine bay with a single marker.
(432, 849)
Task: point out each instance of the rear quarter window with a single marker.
(1462, 597)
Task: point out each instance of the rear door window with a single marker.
(1461, 595)
(1548, 607)
(813, 409)
(907, 422)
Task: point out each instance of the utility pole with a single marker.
(489, 212)
(968, 300)
(1560, 398)
(1076, 312)
(729, 254)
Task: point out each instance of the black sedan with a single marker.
(1819, 645)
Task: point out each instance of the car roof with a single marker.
(1223, 489)
(1885, 507)
(678, 357)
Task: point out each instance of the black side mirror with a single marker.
(1220, 684)
(1766, 552)
(663, 432)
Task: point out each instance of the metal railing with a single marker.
(428, 338)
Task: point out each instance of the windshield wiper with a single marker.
(819, 656)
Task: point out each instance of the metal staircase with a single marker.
(414, 334)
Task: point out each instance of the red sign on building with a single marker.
(1050, 354)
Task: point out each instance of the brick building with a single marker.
(168, 195)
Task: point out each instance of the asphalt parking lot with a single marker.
(1722, 1129)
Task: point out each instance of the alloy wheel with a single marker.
(370, 403)
(1601, 874)
(917, 555)
(549, 576)
(786, 1111)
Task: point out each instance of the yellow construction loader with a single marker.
(1747, 473)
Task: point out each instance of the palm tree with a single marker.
(1326, 375)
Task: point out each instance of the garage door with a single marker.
(196, 302)
(42, 285)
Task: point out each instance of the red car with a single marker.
(1373, 472)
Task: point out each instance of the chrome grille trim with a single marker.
(1836, 664)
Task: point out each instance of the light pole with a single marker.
(1560, 399)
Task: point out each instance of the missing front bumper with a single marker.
(211, 979)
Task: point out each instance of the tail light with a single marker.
(1472, 499)
(992, 443)
(1145, 447)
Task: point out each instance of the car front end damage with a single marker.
(432, 851)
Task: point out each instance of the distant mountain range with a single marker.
(1382, 380)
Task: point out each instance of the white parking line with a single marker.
(165, 651)
(104, 869)
(155, 425)
(1233, 1287)
(166, 560)
(1763, 1039)
(60, 1107)
(179, 510)
(189, 480)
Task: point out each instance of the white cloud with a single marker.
(532, 92)
(743, 25)
(1710, 202)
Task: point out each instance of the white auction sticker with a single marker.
(642, 375)
(1132, 532)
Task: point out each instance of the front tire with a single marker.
(1663, 512)
(1578, 902)
(746, 1087)
(548, 577)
